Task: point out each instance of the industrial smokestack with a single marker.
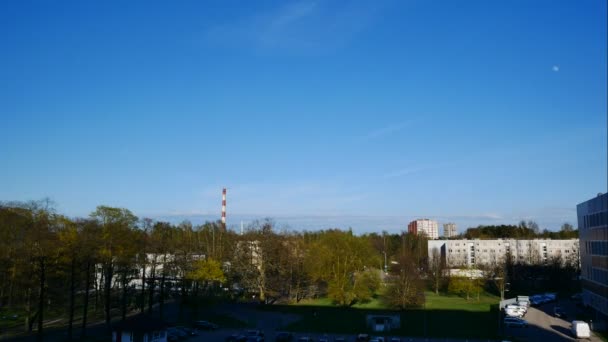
(224, 208)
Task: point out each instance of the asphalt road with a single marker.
(543, 326)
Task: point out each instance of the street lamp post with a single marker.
(385, 266)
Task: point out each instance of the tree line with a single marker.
(524, 230)
(112, 263)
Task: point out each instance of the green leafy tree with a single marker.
(207, 270)
(467, 286)
(336, 259)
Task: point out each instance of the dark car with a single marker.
(559, 312)
(188, 331)
(236, 338)
(179, 333)
(205, 325)
(284, 337)
(254, 333)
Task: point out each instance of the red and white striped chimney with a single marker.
(224, 207)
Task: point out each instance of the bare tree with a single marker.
(436, 269)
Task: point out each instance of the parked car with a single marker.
(517, 307)
(577, 297)
(515, 322)
(188, 331)
(551, 297)
(180, 334)
(258, 333)
(559, 312)
(284, 337)
(254, 339)
(236, 338)
(395, 339)
(580, 329)
(515, 314)
(305, 339)
(339, 339)
(205, 325)
(535, 300)
(363, 338)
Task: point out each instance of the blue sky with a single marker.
(319, 114)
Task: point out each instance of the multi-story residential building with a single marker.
(593, 233)
(449, 230)
(469, 253)
(424, 226)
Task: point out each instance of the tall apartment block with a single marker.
(424, 226)
(473, 253)
(593, 234)
(449, 230)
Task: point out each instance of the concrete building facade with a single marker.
(471, 253)
(449, 230)
(424, 226)
(593, 233)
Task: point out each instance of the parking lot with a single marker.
(543, 326)
(220, 336)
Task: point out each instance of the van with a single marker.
(580, 329)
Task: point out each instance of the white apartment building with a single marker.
(469, 253)
(424, 226)
(449, 230)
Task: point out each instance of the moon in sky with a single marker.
(555, 68)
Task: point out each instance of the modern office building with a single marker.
(424, 226)
(471, 253)
(449, 230)
(593, 234)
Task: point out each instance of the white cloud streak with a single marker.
(300, 27)
(387, 130)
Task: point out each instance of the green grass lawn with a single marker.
(443, 316)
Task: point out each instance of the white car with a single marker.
(517, 307)
(514, 313)
(580, 329)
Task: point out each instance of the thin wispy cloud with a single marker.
(555, 68)
(300, 26)
(404, 172)
(408, 170)
(387, 130)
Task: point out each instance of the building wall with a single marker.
(426, 226)
(467, 253)
(593, 233)
(449, 230)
